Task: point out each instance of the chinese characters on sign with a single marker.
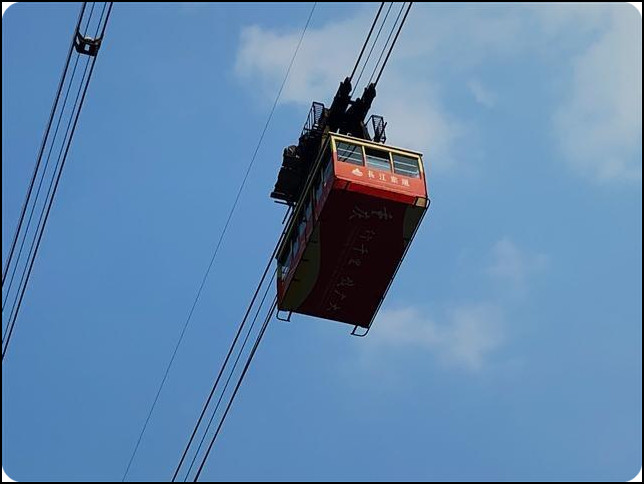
(345, 282)
(396, 180)
(357, 255)
(360, 214)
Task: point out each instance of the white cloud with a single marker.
(464, 338)
(416, 119)
(481, 94)
(599, 127)
(465, 335)
(412, 108)
(321, 63)
(513, 266)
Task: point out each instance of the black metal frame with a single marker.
(355, 328)
(296, 211)
(344, 116)
(378, 124)
(313, 119)
(87, 45)
(288, 318)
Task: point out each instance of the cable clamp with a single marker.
(87, 45)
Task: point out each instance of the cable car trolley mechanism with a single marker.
(357, 204)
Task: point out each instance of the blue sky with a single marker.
(509, 346)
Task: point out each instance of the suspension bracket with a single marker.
(87, 45)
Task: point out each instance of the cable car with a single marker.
(357, 211)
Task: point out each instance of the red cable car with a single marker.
(358, 213)
(357, 204)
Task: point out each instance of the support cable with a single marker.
(232, 372)
(225, 363)
(45, 215)
(239, 382)
(42, 178)
(42, 149)
(382, 4)
(384, 48)
(393, 44)
(391, 4)
(221, 237)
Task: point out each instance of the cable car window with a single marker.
(406, 166)
(302, 227)
(318, 189)
(328, 169)
(287, 263)
(308, 211)
(349, 153)
(377, 159)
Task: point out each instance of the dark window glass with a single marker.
(377, 159)
(326, 175)
(318, 189)
(301, 227)
(406, 166)
(349, 153)
(309, 210)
